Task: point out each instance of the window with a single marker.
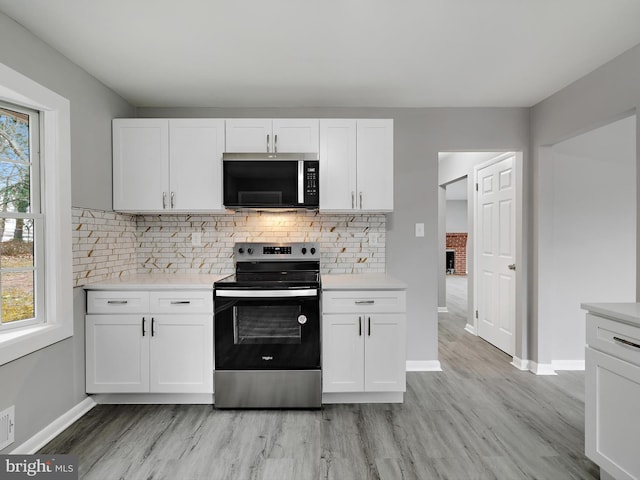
(21, 291)
(36, 307)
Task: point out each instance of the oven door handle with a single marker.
(310, 292)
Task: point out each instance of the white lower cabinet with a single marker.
(364, 341)
(165, 347)
(612, 397)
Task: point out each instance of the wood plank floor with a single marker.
(478, 419)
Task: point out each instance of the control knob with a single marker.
(313, 251)
(304, 250)
(241, 250)
(249, 251)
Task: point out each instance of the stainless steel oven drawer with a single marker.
(268, 389)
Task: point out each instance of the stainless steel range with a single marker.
(267, 328)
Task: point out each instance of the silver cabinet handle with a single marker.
(512, 266)
(144, 322)
(626, 342)
(369, 333)
(359, 326)
(365, 302)
(164, 200)
(353, 199)
(117, 302)
(153, 327)
(172, 199)
(360, 200)
(275, 143)
(268, 142)
(180, 302)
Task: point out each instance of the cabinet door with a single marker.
(337, 164)
(612, 414)
(140, 164)
(342, 353)
(248, 135)
(117, 353)
(375, 165)
(195, 180)
(295, 135)
(385, 346)
(181, 354)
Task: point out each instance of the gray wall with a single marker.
(593, 230)
(457, 216)
(420, 134)
(49, 382)
(609, 93)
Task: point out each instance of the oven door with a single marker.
(262, 329)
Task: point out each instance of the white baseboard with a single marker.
(471, 329)
(568, 364)
(521, 364)
(54, 429)
(423, 366)
(443, 310)
(542, 368)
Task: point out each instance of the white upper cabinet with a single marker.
(272, 135)
(140, 163)
(338, 164)
(375, 164)
(356, 165)
(195, 154)
(164, 165)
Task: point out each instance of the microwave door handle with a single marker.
(300, 181)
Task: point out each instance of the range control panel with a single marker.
(275, 251)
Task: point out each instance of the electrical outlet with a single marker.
(419, 229)
(7, 426)
(196, 239)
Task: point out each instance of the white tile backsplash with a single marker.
(108, 244)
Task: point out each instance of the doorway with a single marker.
(462, 166)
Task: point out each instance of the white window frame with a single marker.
(35, 213)
(55, 167)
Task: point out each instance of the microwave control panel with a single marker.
(311, 190)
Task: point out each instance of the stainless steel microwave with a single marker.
(271, 180)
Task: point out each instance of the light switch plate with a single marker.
(419, 229)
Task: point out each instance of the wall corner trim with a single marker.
(521, 364)
(423, 366)
(542, 368)
(52, 430)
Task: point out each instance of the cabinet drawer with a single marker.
(182, 302)
(362, 301)
(609, 336)
(114, 302)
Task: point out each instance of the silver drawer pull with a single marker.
(365, 302)
(180, 302)
(626, 342)
(117, 302)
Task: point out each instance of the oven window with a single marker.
(266, 324)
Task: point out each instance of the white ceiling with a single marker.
(383, 53)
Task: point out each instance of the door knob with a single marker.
(512, 266)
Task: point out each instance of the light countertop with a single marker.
(624, 312)
(159, 282)
(362, 281)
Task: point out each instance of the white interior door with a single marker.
(495, 253)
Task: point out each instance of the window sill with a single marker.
(23, 341)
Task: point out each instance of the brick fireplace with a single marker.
(457, 242)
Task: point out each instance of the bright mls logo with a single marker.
(51, 467)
